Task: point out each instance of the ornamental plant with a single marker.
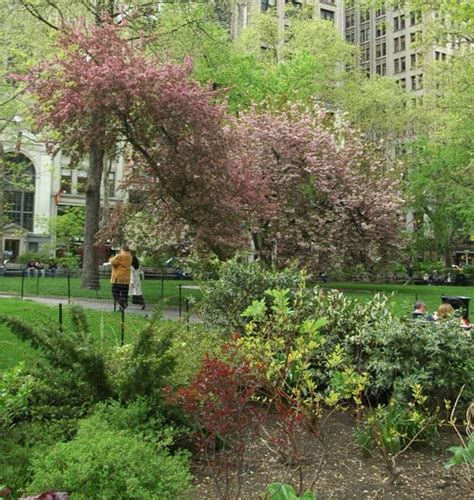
(282, 339)
(220, 405)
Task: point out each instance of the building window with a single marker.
(381, 68)
(350, 37)
(380, 30)
(380, 12)
(350, 20)
(440, 56)
(328, 15)
(364, 35)
(65, 183)
(413, 61)
(19, 190)
(415, 18)
(380, 49)
(364, 15)
(111, 185)
(399, 65)
(366, 53)
(399, 22)
(399, 44)
(81, 184)
(403, 83)
(417, 82)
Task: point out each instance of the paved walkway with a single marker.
(171, 313)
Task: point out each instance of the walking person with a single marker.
(120, 276)
(135, 290)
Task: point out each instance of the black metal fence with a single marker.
(109, 325)
(175, 297)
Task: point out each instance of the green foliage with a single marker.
(462, 454)
(102, 462)
(35, 256)
(285, 340)
(15, 395)
(18, 443)
(392, 428)
(281, 491)
(237, 285)
(148, 362)
(75, 370)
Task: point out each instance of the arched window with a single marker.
(19, 184)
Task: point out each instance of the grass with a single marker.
(105, 325)
(402, 297)
(154, 291)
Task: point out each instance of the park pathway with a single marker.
(169, 312)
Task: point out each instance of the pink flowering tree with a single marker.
(334, 201)
(188, 169)
(294, 183)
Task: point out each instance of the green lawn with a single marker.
(105, 325)
(154, 291)
(404, 296)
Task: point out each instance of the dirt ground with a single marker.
(346, 472)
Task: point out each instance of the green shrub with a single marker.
(15, 395)
(101, 462)
(393, 427)
(437, 356)
(237, 285)
(75, 371)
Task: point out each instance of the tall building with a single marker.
(386, 36)
(330, 10)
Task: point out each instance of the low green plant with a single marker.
(395, 427)
(103, 462)
(462, 455)
(281, 491)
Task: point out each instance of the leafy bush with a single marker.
(393, 427)
(401, 354)
(15, 395)
(75, 371)
(102, 462)
(237, 285)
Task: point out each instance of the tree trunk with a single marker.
(90, 266)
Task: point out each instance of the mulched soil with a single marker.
(345, 472)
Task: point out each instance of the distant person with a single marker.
(445, 311)
(419, 312)
(135, 289)
(52, 267)
(39, 268)
(31, 268)
(120, 276)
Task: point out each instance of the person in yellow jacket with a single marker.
(120, 278)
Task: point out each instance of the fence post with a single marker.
(179, 299)
(60, 317)
(38, 282)
(68, 286)
(162, 285)
(122, 337)
(22, 283)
